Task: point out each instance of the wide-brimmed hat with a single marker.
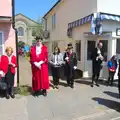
(69, 46)
(38, 38)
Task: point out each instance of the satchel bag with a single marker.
(3, 85)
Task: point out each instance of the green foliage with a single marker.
(28, 54)
(37, 28)
(21, 44)
(24, 90)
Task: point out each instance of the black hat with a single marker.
(70, 46)
(38, 38)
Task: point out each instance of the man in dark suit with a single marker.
(97, 60)
(119, 78)
(70, 65)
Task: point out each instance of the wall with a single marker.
(66, 12)
(9, 39)
(109, 6)
(78, 34)
(6, 8)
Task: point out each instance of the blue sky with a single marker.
(33, 8)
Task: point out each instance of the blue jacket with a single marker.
(111, 65)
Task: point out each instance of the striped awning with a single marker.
(109, 17)
(91, 18)
(80, 22)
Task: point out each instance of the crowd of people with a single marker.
(39, 66)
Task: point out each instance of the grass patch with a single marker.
(24, 90)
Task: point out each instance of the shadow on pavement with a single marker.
(60, 83)
(85, 82)
(115, 95)
(89, 82)
(108, 103)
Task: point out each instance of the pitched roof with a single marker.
(52, 8)
(27, 17)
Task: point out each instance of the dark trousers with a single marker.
(70, 75)
(96, 72)
(119, 84)
(9, 79)
(56, 75)
(111, 77)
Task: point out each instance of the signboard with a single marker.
(118, 32)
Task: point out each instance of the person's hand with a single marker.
(12, 64)
(75, 67)
(41, 62)
(67, 58)
(37, 65)
(2, 74)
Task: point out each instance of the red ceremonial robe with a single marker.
(40, 77)
(5, 63)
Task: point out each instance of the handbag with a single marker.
(3, 85)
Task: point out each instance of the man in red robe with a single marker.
(39, 65)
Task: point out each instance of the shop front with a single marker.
(85, 31)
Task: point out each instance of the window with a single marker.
(1, 44)
(33, 32)
(118, 46)
(104, 49)
(20, 31)
(90, 47)
(54, 21)
(54, 44)
(78, 50)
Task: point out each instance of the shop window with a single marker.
(1, 44)
(104, 49)
(90, 48)
(78, 50)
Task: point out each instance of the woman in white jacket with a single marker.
(56, 61)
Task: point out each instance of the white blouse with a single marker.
(38, 50)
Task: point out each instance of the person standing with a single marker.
(119, 78)
(112, 66)
(7, 67)
(39, 65)
(97, 60)
(70, 65)
(56, 62)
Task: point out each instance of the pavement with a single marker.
(80, 103)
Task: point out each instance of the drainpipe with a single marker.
(16, 38)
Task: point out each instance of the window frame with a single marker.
(19, 32)
(79, 42)
(3, 50)
(54, 21)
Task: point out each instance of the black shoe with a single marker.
(92, 85)
(35, 93)
(44, 93)
(12, 96)
(72, 86)
(7, 96)
(97, 85)
(57, 87)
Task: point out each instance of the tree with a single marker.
(38, 28)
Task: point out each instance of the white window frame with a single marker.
(2, 42)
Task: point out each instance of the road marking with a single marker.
(118, 118)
